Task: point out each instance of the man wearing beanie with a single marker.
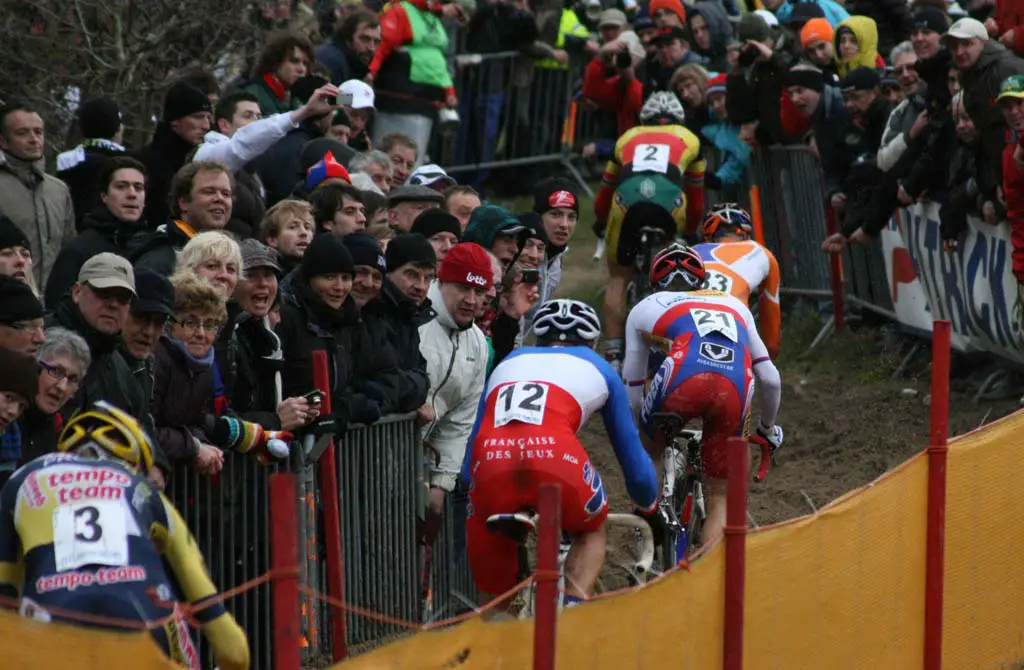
(38, 203)
(21, 317)
(82, 168)
(18, 386)
(183, 125)
(318, 315)
(456, 353)
(15, 252)
(441, 229)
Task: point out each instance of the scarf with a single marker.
(199, 365)
(322, 314)
(276, 86)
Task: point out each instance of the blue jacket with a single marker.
(834, 12)
(735, 153)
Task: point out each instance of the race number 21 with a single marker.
(712, 320)
(521, 401)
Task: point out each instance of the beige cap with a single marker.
(107, 270)
(966, 29)
(613, 18)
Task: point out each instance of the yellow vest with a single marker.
(568, 25)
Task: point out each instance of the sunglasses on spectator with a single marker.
(60, 373)
(905, 69)
(210, 326)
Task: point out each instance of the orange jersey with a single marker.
(740, 269)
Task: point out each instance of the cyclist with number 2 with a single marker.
(85, 532)
(655, 165)
(711, 351)
(535, 403)
(740, 266)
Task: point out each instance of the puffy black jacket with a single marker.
(183, 402)
(395, 319)
(257, 360)
(163, 157)
(364, 383)
(102, 232)
(158, 251)
(38, 434)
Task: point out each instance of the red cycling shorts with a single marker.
(715, 400)
(509, 465)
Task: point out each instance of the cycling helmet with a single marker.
(727, 217)
(678, 261)
(106, 432)
(565, 320)
(662, 108)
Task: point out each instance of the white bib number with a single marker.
(650, 158)
(521, 401)
(719, 282)
(89, 532)
(712, 320)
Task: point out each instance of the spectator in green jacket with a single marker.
(285, 59)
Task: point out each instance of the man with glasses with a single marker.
(21, 317)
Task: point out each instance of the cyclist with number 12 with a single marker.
(657, 165)
(741, 267)
(710, 353)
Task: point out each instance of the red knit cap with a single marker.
(717, 84)
(467, 264)
(674, 6)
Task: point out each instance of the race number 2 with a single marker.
(89, 533)
(650, 158)
(712, 320)
(521, 401)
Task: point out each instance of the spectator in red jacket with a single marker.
(1008, 25)
(610, 79)
(1011, 101)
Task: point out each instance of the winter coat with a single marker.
(247, 208)
(755, 96)
(609, 90)
(866, 32)
(734, 153)
(158, 251)
(891, 16)
(980, 85)
(108, 377)
(163, 157)
(343, 63)
(82, 169)
(143, 371)
(364, 383)
(1010, 16)
(184, 402)
(834, 12)
(895, 154)
(551, 277)
(101, 232)
(835, 136)
(394, 318)
(257, 362)
(270, 102)
(457, 367)
(39, 433)
(714, 58)
(40, 205)
(280, 166)
(963, 199)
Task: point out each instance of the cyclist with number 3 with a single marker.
(740, 266)
(710, 352)
(655, 165)
(85, 538)
(535, 403)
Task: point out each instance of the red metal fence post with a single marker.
(284, 555)
(936, 534)
(735, 554)
(835, 271)
(331, 516)
(549, 507)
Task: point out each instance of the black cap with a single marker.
(365, 250)
(555, 194)
(930, 18)
(18, 302)
(154, 293)
(11, 235)
(667, 34)
(99, 118)
(326, 255)
(410, 248)
(533, 226)
(184, 99)
(861, 79)
(21, 374)
(430, 222)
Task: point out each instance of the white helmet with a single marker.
(567, 320)
(663, 105)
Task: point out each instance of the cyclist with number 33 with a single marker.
(710, 352)
(740, 266)
(86, 538)
(535, 403)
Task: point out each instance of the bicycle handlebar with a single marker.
(673, 427)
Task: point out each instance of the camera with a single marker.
(747, 56)
(342, 99)
(623, 60)
(530, 276)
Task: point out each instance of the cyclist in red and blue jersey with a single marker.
(707, 352)
(535, 403)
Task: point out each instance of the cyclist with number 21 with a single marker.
(711, 353)
(85, 538)
(535, 403)
(655, 166)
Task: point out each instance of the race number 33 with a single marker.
(650, 158)
(712, 320)
(89, 533)
(521, 401)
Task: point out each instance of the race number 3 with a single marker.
(712, 320)
(89, 533)
(521, 401)
(717, 281)
(650, 158)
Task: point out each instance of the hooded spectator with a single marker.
(288, 228)
(113, 226)
(891, 16)
(497, 230)
(461, 201)
(406, 202)
(753, 99)
(351, 47)
(21, 317)
(39, 204)
(711, 31)
(285, 59)
(183, 125)
(440, 228)
(734, 155)
(83, 167)
(319, 314)
(15, 253)
(338, 209)
(377, 166)
(833, 12)
(18, 387)
(201, 197)
(856, 45)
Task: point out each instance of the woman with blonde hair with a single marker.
(216, 257)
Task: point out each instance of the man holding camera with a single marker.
(614, 77)
(755, 84)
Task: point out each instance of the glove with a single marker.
(772, 435)
(248, 437)
(326, 425)
(657, 520)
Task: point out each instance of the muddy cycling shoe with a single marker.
(771, 435)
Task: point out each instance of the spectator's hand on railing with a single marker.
(209, 460)
(838, 202)
(858, 237)
(156, 475)
(425, 414)
(950, 246)
(834, 243)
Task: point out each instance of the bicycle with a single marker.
(520, 526)
(651, 242)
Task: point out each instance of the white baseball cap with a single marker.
(966, 29)
(362, 94)
(768, 17)
(428, 175)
